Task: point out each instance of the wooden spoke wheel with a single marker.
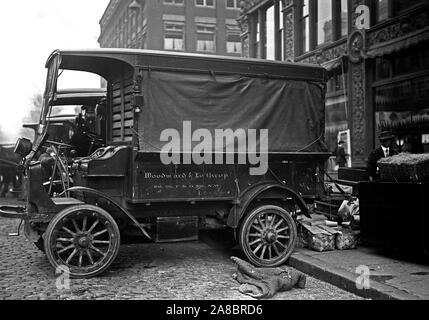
(268, 236)
(83, 240)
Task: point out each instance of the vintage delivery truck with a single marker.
(188, 138)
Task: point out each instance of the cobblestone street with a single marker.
(193, 270)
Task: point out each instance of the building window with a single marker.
(336, 113)
(206, 35)
(143, 40)
(233, 40)
(324, 21)
(256, 36)
(344, 18)
(385, 9)
(140, 20)
(401, 95)
(174, 2)
(321, 22)
(233, 4)
(174, 36)
(205, 3)
(382, 10)
(270, 48)
(281, 32)
(133, 25)
(121, 37)
(402, 63)
(403, 5)
(267, 32)
(127, 30)
(305, 26)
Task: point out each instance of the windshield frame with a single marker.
(50, 91)
(48, 97)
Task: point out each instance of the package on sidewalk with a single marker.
(345, 238)
(325, 238)
(318, 239)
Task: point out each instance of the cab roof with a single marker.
(109, 62)
(87, 96)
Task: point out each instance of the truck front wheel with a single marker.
(82, 241)
(268, 235)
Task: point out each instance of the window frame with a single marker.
(165, 31)
(235, 31)
(258, 17)
(337, 20)
(173, 3)
(214, 33)
(205, 5)
(235, 7)
(393, 11)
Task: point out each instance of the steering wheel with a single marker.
(93, 137)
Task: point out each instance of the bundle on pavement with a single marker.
(405, 167)
(325, 238)
(318, 239)
(264, 283)
(344, 238)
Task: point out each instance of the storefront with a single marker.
(401, 97)
(376, 54)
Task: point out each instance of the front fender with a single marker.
(252, 193)
(112, 201)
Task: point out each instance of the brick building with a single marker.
(201, 26)
(377, 55)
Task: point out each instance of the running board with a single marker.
(13, 212)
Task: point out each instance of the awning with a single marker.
(398, 44)
(336, 66)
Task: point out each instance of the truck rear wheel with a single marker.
(268, 235)
(82, 241)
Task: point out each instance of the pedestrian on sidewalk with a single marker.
(340, 155)
(385, 150)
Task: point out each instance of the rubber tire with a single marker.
(248, 219)
(62, 215)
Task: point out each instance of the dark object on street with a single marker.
(129, 183)
(394, 215)
(264, 283)
(354, 174)
(386, 149)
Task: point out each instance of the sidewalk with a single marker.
(390, 278)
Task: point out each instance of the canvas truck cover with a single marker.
(293, 111)
(216, 92)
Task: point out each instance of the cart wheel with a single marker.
(82, 240)
(268, 236)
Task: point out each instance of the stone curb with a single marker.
(345, 280)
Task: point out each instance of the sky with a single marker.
(30, 30)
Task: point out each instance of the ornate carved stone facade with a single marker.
(357, 99)
(328, 54)
(289, 12)
(402, 26)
